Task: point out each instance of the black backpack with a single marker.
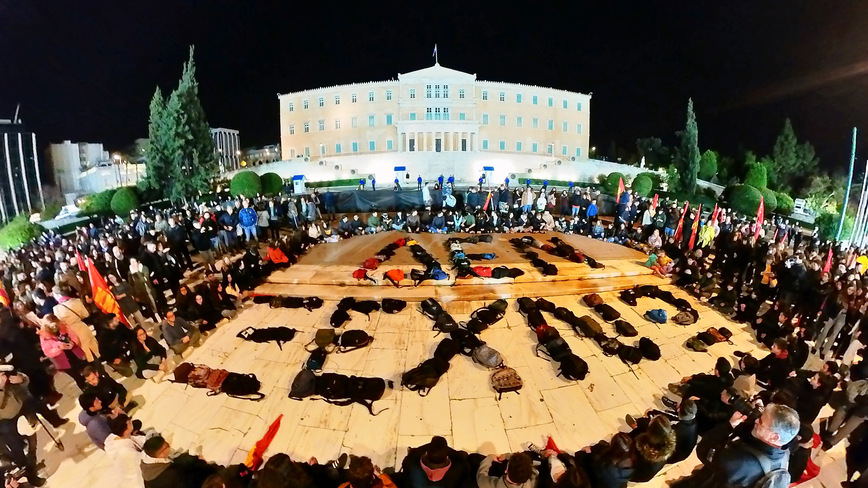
(361, 390)
(586, 326)
(525, 305)
(466, 339)
(629, 354)
(244, 386)
(352, 340)
(628, 297)
(545, 305)
(431, 308)
(339, 317)
(262, 299)
(332, 385)
(312, 303)
(447, 349)
(650, 291)
(291, 302)
(475, 325)
(650, 350)
(393, 305)
(573, 368)
(566, 315)
(424, 377)
(624, 328)
(277, 334)
(499, 305)
(557, 349)
(609, 345)
(445, 323)
(515, 273)
(535, 319)
(317, 359)
(346, 303)
(500, 272)
(549, 270)
(608, 313)
(366, 307)
(303, 386)
(487, 316)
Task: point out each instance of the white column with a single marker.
(9, 172)
(24, 173)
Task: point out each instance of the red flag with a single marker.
(714, 214)
(81, 266)
(680, 227)
(760, 216)
(254, 457)
(487, 201)
(102, 296)
(655, 202)
(775, 236)
(695, 227)
(828, 266)
(784, 238)
(621, 189)
(4, 298)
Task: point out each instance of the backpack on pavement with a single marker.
(504, 380)
(487, 356)
(352, 340)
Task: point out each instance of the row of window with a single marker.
(354, 122)
(390, 145)
(438, 113)
(519, 122)
(354, 147)
(435, 91)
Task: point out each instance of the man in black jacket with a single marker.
(176, 235)
(182, 471)
(686, 433)
(436, 465)
(745, 461)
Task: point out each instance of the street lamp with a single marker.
(117, 158)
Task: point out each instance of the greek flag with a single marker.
(434, 54)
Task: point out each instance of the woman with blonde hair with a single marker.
(62, 346)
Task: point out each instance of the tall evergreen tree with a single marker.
(791, 164)
(689, 151)
(198, 157)
(157, 156)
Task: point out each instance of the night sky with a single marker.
(85, 71)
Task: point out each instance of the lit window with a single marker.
(388, 119)
(446, 113)
(337, 124)
(502, 96)
(579, 106)
(565, 127)
(337, 99)
(534, 147)
(354, 122)
(461, 93)
(484, 94)
(551, 125)
(436, 91)
(535, 123)
(320, 101)
(502, 120)
(437, 113)
(503, 145)
(518, 121)
(307, 126)
(371, 120)
(412, 93)
(354, 98)
(485, 144)
(389, 144)
(322, 150)
(355, 147)
(578, 128)
(291, 106)
(338, 148)
(305, 104)
(462, 116)
(518, 98)
(412, 115)
(518, 146)
(445, 91)
(535, 100)
(429, 114)
(321, 124)
(427, 91)
(372, 146)
(484, 119)
(578, 152)
(388, 94)
(564, 150)
(551, 102)
(565, 104)
(291, 129)
(370, 96)
(307, 150)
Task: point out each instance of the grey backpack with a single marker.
(775, 475)
(487, 356)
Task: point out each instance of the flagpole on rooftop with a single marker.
(436, 60)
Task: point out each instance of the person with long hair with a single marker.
(62, 346)
(149, 355)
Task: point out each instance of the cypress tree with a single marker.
(690, 151)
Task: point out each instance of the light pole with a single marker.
(117, 159)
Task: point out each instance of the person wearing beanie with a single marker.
(520, 472)
(686, 431)
(434, 465)
(653, 448)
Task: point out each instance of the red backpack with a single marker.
(360, 274)
(401, 242)
(482, 271)
(371, 263)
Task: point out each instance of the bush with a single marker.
(50, 211)
(18, 231)
(827, 225)
(656, 179)
(707, 165)
(272, 184)
(756, 176)
(744, 199)
(785, 204)
(770, 200)
(124, 200)
(354, 182)
(98, 203)
(642, 185)
(612, 182)
(245, 183)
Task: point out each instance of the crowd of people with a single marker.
(746, 422)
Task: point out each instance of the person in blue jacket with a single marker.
(247, 220)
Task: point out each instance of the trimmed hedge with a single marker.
(656, 179)
(272, 183)
(743, 199)
(756, 176)
(612, 182)
(785, 204)
(330, 183)
(98, 203)
(245, 183)
(19, 231)
(771, 200)
(642, 185)
(827, 225)
(124, 200)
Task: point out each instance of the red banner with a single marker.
(680, 227)
(102, 296)
(81, 265)
(828, 266)
(254, 457)
(695, 227)
(621, 189)
(760, 216)
(655, 202)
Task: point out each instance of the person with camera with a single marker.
(17, 403)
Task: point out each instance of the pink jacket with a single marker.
(51, 346)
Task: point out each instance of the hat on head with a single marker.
(687, 409)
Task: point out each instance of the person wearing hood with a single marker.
(653, 448)
(435, 465)
(609, 464)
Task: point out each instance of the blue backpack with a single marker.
(489, 255)
(658, 315)
(439, 274)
